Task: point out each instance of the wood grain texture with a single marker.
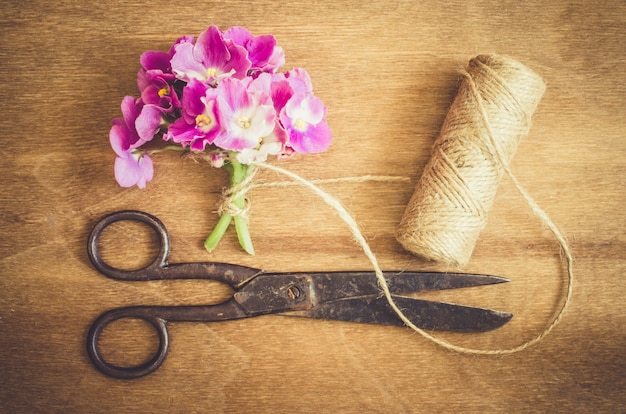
(387, 72)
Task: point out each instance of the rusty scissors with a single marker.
(344, 296)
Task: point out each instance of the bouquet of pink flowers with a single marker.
(219, 98)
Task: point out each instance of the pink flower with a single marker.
(211, 59)
(131, 167)
(220, 94)
(276, 86)
(301, 114)
(199, 124)
(156, 89)
(148, 122)
(246, 116)
(303, 119)
(161, 61)
(222, 98)
(300, 81)
(157, 83)
(263, 53)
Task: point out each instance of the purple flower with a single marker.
(157, 60)
(246, 116)
(211, 59)
(131, 167)
(199, 124)
(157, 89)
(263, 52)
(156, 81)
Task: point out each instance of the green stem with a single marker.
(237, 173)
(166, 148)
(218, 232)
(240, 173)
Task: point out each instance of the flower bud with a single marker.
(217, 160)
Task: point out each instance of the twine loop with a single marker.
(449, 207)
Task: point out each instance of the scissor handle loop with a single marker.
(149, 271)
(138, 371)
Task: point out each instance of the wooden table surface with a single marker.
(388, 71)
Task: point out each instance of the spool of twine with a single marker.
(479, 137)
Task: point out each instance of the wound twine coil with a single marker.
(489, 116)
(449, 207)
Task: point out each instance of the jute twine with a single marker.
(496, 76)
(480, 135)
(489, 116)
(230, 194)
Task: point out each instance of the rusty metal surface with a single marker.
(424, 314)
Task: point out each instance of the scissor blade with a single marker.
(339, 285)
(424, 314)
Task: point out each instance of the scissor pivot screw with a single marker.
(293, 292)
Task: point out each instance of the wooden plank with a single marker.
(387, 70)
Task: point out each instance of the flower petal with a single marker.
(155, 60)
(192, 99)
(260, 49)
(182, 133)
(147, 168)
(281, 93)
(184, 64)
(211, 49)
(316, 138)
(276, 61)
(233, 95)
(239, 63)
(119, 138)
(130, 110)
(148, 122)
(305, 108)
(130, 171)
(239, 35)
(300, 80)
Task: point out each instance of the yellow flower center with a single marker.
(211, 72)
(203, 121)
(299, 124)
(163, 92)
(244, 122)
